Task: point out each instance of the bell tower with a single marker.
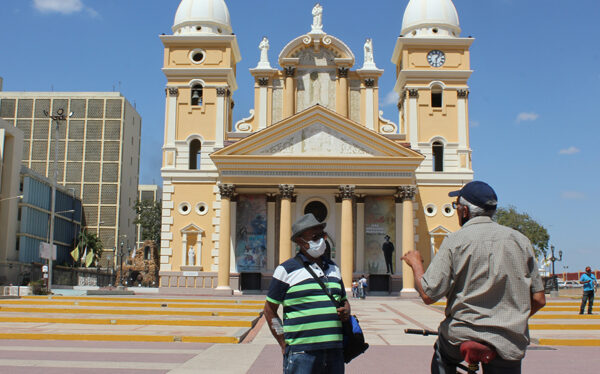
(432, 69)
(200, 59)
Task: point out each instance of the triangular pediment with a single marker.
(440, 230)
(316, 132)
(319, 145)
(192, 229)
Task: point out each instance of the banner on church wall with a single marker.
(251, 233)
(380, 220)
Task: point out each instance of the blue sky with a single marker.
(533, 102)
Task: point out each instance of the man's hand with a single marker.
(413, 259)
(344, 312)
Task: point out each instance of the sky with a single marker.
(534, 127)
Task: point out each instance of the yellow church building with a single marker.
(316, 142)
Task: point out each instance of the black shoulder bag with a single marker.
(354, 339)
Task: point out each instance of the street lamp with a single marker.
(11, 198)
(59, 116)
(553, 259)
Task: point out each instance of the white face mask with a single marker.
(317, 248)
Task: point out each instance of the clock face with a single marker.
(436, 58)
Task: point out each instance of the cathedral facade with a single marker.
(315, 142)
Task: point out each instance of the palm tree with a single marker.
(88, 250)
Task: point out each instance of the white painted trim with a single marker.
(398, 248)
(360, 238)
(262, 119)
(220, 130)
(369, 109)
(271, 236)
(461, 111)
(413, 118)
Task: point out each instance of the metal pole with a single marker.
(53, 204)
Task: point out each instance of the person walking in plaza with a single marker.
(488, 273)
(362, 287)
(311, 337)
(388, 251)
(588, 279)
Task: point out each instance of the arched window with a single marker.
(438, 156)
(197, 95)
(436, 97)
(195, 148)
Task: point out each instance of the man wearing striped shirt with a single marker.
(311, 335)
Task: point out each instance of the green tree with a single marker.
(88, 250)
(522, 222)
(149, 217)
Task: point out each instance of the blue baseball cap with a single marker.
(478, 193)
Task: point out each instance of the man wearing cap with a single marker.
(488, 273)
(311, 334)
(588, 279)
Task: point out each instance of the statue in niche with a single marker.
(369, 61)
(317, 13)
(191, 256)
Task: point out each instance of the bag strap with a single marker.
(312, 272)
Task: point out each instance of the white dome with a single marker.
(202, 17)
(430, 18)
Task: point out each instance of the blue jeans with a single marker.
(327, 361)
(441, 363)
(587, 296)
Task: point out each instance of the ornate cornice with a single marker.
(286, 191)
(263, 81)
(370, 82)
(172, 91)
(290, 71)
(406, 193)
(347, 192)
(227, 191)
(462, 94)
(343, 72)
(221, 91)
(413, 92)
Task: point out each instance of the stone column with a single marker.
(220, 130)
(227, 191)
(285, 222)
(184, 249)
(347, 235)
(413, 117)
(360, 233)
(370, 105)
(407, 193)
(271, 200)
(263, 84)
(343, 101)
(463, 128)
(289, 105)
(399, 228)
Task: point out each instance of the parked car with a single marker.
(569, 284)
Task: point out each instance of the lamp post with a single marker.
(553, 259)
(59, 116)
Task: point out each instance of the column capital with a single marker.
(263, 81)
(413, 92)
(343, 72)
(406, 193)
(172, 91)
(347, 192)
(462, 94)
(360, 199)
(271, 198)
(290, 71)
(370, 82)
(226, 190)
(286, 191)
(221, 91)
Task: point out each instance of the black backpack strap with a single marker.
(312, 272)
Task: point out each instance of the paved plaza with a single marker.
(184, 335)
